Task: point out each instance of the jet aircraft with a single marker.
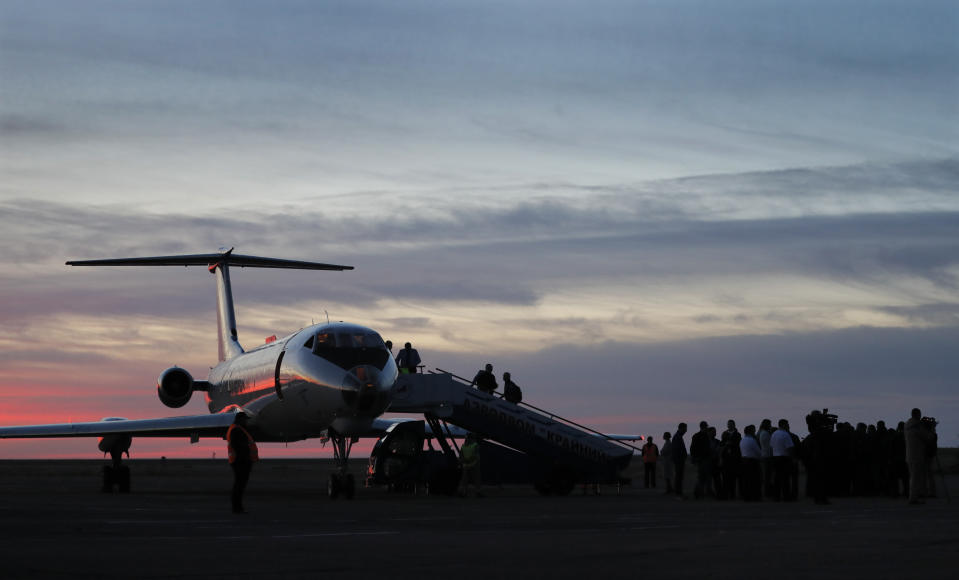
(330, 380)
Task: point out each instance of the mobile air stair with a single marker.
(552, 452)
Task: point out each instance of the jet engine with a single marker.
(174, 387)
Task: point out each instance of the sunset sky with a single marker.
(648, 211)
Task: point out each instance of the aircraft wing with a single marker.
(188, 426)
(621, 437)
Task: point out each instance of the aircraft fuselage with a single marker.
(333, 375)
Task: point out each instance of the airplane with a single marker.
(330, 380)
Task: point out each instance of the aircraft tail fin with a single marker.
(219, 265)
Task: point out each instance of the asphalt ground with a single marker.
(54, 523)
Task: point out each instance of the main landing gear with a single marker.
(341, 482)
(116, 474)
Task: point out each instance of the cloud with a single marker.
(509, 248)
(943, 314)
(15, 126)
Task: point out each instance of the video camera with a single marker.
(821, 420)
(929, 423)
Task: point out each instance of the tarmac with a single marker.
(176, 522)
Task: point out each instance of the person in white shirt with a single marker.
(781, 442)
(751, 482)
(765, 432)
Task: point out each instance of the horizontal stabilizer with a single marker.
(210, 259)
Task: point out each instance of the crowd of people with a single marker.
(839, 460)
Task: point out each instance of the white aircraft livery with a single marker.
(328, 380)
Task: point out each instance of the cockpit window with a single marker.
(348, 349)
(359, 340)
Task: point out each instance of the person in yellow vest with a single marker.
(242, 452)
(470, 457)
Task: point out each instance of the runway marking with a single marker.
(248, 536)
(176, 522)
(653, 528)
(326, 534)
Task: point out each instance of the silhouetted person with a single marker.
(730, 459)
(860, 455)
(916, 441)
(485, 380)
(389, 346)
(750, 487)
(765, 434)
(700, 450)
(900, 469)
(511, 391)
(781, 442)
(408, 359)
(679, 453)
(884, 464)
(470, 459)
(242, 453)
(932, 448)
(840, 460)
(666, 453)
(921, 449)
(715, 463)
(816, 454)
(650, 457)
(794, 459)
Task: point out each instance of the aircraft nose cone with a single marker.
(362, 390)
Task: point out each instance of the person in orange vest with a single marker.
(242, 452)
(650, 456)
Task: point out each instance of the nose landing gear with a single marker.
(341, 482)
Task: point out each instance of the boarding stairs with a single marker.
(561, 452)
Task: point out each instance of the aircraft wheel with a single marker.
(349, 486)
(107, 479)
(563, 482)
(563, 486)
(123, 479)
(445, 481)
(333, 486)
(558, 482)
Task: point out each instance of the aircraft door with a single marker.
(276, 374)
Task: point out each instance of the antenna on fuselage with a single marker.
(219, 265)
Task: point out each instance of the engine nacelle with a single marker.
(174, 387)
